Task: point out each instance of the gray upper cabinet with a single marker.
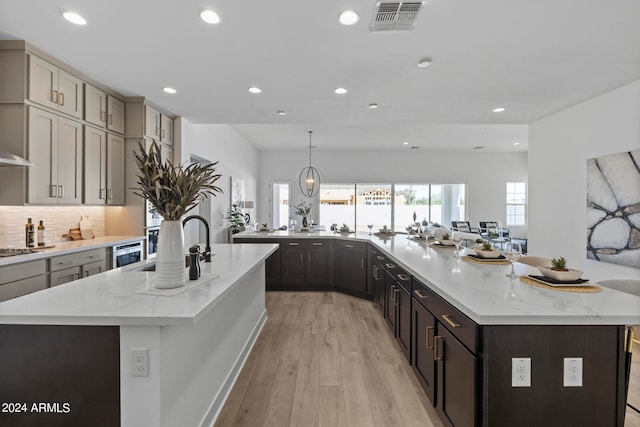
(158, 126)
(103, 110)
(115, 169)
(54, 88)
(104, 167)
(56, 149)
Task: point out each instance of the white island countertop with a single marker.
(485, 294)
(126, 296)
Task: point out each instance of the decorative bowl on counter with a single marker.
(446, 242)
(493, 253)
(384, 230)
(569, 275)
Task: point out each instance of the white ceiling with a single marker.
(533, 57)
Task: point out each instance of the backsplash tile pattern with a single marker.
(57, 221)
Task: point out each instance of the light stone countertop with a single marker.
(120, 296)
(485, 294)
(71, 246)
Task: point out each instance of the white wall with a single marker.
(236, 157)
(559, 146)
(485, 174)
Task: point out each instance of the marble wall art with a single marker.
(613, 208)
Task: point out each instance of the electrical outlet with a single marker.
(572, 374)
(521, 372)
(139, 362)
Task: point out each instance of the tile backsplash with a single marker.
(57, 221)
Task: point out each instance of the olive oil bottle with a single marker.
(30, 234)
(41, 233)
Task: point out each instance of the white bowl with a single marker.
(448, 242)
(570, 275)
(384, 230)
(493, 253)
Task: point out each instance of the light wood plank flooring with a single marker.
(325, 359)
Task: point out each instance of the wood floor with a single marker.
(328, 359)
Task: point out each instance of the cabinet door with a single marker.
(350, 271)
(424, 366)
(70, 98)
(403, 325)
(43, 82)
(95, 162)
(115, 170)
(152, 123)
(377, 285)
(166, 129)
(70, 158)
(457, 380)
(95, 105)
(166, 152)
(292, 264)
(64, 276)
(115, 114)
(43, 152)
(92, 268)
(272, 271)
(319, 269)
(390, 311)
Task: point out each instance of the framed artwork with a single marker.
(237, 191)
(613, 208)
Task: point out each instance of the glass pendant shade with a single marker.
(309, 177)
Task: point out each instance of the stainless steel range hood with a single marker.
(8, 159)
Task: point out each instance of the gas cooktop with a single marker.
(15, 251)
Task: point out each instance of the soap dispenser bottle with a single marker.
(194, 265)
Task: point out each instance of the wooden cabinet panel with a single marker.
(166, 129)
(293, 266)
(70, 161)
(95, 105)
(424, 366)
(457, 398)
(43, 153)
(22, 287)
(115, 170)
(319, 264)
(61, 277)
(350, 269)
(115, 114)
(152, 123)
(390, 313)
(95, 161)
(11, 273)
(70, 99)
(43, 82)
(272, 271)
(93, 268)
(403, 325)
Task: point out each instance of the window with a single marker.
(516, 203)
(337, 204)
(410, 199)
(373, 206)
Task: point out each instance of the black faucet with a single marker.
(207, 249)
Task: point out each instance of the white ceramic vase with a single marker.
(170, 257)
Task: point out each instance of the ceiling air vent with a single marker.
(395, 16)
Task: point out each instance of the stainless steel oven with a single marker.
(127, 253)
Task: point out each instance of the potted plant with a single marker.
(236, 218)
(559, 264)
(304, 210)
(172, 191)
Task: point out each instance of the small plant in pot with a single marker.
(559, 264)
(236, 218)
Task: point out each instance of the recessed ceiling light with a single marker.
(254, 89)
(169, 90)
(405, 143)
(424, 62)
(516, 143)
(373, 105)
(210, 17)
(499, 109)
(74, 18)
(282, 113)
(349, 17)
(341, 90)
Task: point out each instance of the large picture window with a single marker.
(516, 203)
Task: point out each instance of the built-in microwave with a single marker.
(127, 253)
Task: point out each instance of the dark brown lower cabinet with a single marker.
(398, 308)
(377, 284)
(351, 268)
(424, 328)
(292, 272)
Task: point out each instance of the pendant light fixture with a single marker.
(309, 177)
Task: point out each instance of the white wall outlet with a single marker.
(139, 362)
(572, 374)
(521, 372)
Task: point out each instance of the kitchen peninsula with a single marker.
(460, 325)
(192, 342)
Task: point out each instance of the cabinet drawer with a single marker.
(14, 272)
(23, 287)
(64, 276)
(350, 246)
(65, 261)
(464, 329)
(95, 267)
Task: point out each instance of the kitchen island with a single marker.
(111, 350)
(464, 325)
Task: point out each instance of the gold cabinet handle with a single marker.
(301, 259)
(436, 348)
(389, 265)
(110, 119)
(53, 190)
(362, 263)
(403, 277)
(61, 98)
(450, 321)
(309, 257)
(293, 244)
(102, 193)
(427, 329)
(375, 272)
(54, 96)
(317, 243)
(380, 257)
(60, 192)
(110, 194)
(348, 246)
(420, 294)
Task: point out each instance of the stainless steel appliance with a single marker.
(127, 253)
